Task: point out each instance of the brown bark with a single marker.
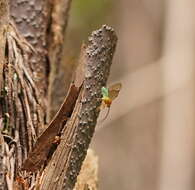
(61, 172)
(24, 67)
(31, 18)
(59, 20)
(23, 75)
(4, 14)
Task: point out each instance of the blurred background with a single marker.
(148, 140)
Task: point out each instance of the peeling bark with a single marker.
(23, 83)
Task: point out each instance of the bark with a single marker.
(23, 83)
(59, 20)
(62, 170)
(31, 37)
(32, 18)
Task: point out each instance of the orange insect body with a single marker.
(107, 101)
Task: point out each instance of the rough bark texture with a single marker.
(23, 71)
(24, 68)
(39, 155)
(59, 20)
(62, 170)
(2, 169)
(4, 15)
(31, 18)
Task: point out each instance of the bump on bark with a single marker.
(66, 162)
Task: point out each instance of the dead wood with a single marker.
(61, 172)
(59, 20)
(38, 156)
(19, 103)
(23, 81)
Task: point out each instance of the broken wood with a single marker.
(38, 156)
(64, 166)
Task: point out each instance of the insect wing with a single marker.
(114, 90)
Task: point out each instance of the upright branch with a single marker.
(4, 20)
(59, 20)
(63, 168)
(32, 19)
